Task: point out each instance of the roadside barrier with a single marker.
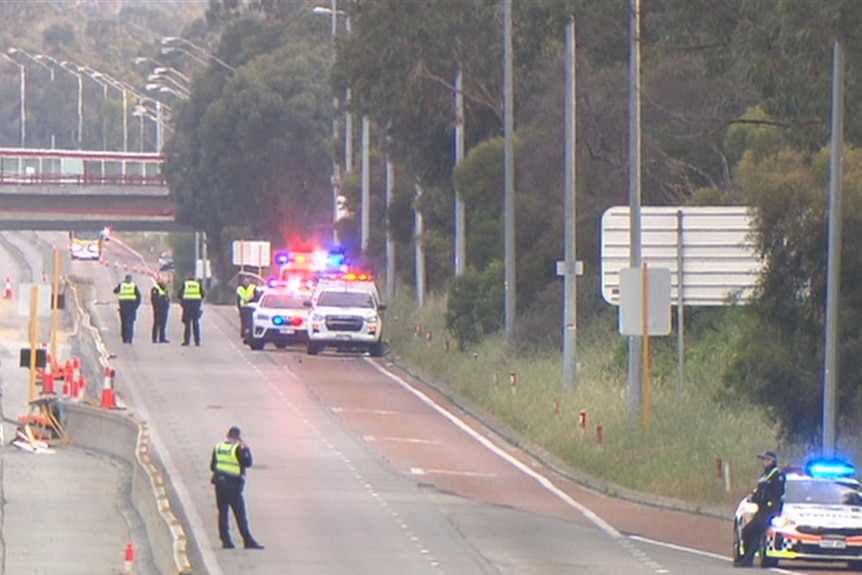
(8, 294)
(120, 434)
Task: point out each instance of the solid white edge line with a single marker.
(543, 481)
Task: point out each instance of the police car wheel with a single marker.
(376, 349)
(256, 344)
(312, 349)
(736, 547)
(766, 562)
(281, 345)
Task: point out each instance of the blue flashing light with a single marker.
(335, 260)
(282, 258)
(272, 282)
(278, 320)
(830, 468)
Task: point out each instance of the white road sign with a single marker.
(711, 246)
(251, 253)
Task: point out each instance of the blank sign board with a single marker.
(633, 320)
(710, 249)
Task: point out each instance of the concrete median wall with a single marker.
(120, 434)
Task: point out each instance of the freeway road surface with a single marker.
(359, 469)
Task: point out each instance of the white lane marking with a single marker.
(543, 481)
(371, 438)
(371, 411)
(698, 552)
(422, 471)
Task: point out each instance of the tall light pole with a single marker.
(635, 381)
(508, 176)
(201, 55)
(336, 172)
(460, 210)
(73, 69)
(22, 75)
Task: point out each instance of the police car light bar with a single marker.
(830, 468)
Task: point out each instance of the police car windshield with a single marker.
(282, 301)
(835, 492)
(346, 299)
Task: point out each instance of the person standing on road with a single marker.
(246, 293)
(191, 296)
(230, 459)
(161, 300)
(129, 298)
(768, 495)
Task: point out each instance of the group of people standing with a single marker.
(190, 296)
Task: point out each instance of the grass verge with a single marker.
(673, 449)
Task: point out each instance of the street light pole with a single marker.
(22, 75)
(508, 176)
(72, 69)
(169, 43)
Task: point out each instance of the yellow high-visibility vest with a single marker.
(246, 294)
(226, 460)
(127, 291)
(160, 290)
(191, 289)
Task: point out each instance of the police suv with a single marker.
(278, 318)
(345, 313)
(821, 519)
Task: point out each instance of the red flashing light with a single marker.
(296, 321)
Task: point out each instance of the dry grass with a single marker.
(674, 454)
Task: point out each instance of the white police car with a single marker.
(821, 519)
(345, 313)
(279, 317)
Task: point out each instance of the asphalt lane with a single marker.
(361, 470)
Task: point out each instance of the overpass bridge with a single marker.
(84, 190)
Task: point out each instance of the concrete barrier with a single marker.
(119, 433)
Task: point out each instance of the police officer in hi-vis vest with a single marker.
(161, 300)
(246, 293)
(129, 298)
(191, 297)
(230, 459)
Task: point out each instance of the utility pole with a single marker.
(570, 266)
(833, 268)
(508, 176)
(635, 381)
(460, 217)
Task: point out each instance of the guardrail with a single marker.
(53, 179)
(120, 434)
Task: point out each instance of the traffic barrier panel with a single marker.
(108, 399)
(8, 294)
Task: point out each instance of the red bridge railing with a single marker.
(80, 168)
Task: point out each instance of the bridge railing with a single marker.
(80, 168)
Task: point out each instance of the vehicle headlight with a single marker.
(781, 522)
(317, 317)
(371, 318)
(261, 317)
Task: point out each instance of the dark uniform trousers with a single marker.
(228, 491)
(128, 313)
(191, 320)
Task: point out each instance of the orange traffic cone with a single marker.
(108, 399)
(80, 387)
(130, 557)
(48, 383)
(8, 293)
